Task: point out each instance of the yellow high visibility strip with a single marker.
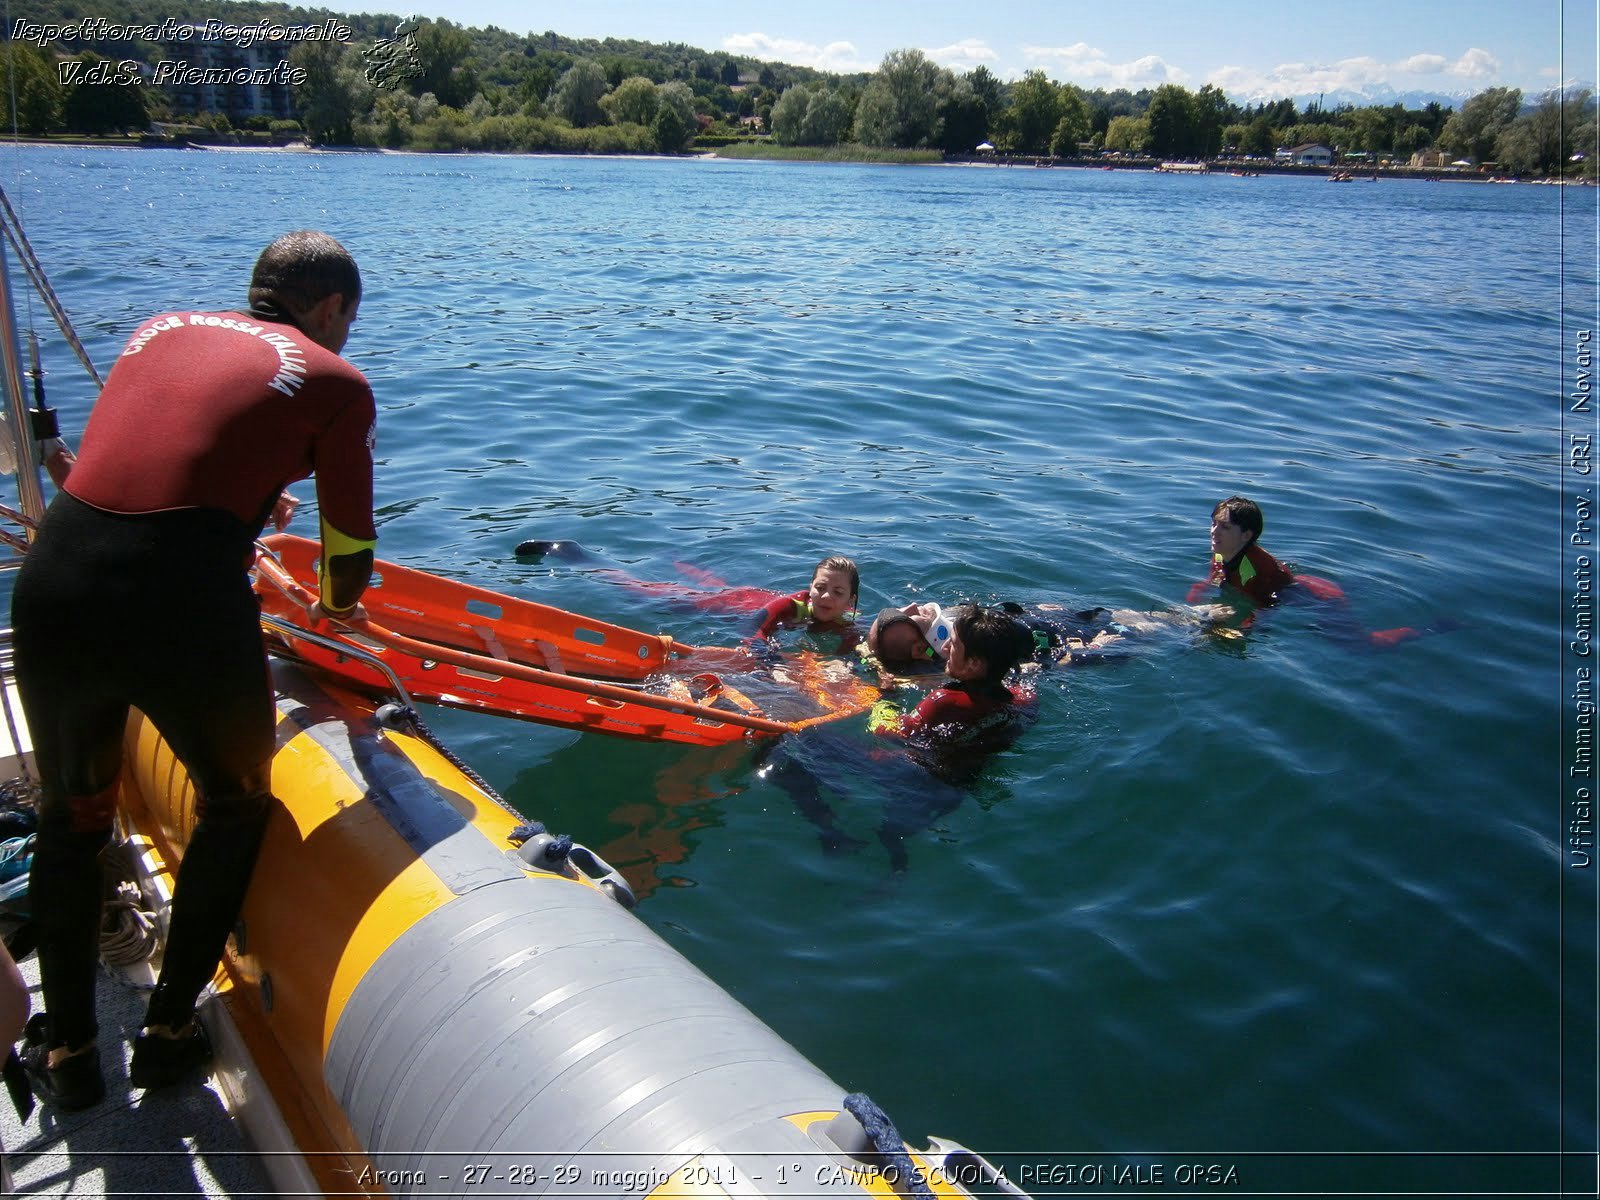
(336, 543)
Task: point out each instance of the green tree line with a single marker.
(487, 89)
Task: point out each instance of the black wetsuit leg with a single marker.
(155, 611)
(215, 709)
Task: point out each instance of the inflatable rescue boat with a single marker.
(428, 995)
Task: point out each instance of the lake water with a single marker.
(1263, 904)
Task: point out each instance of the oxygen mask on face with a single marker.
(940, 630)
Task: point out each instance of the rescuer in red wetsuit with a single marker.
(136, 592)
(946, 737)
(975, 709)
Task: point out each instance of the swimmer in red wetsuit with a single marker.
(136, 592)
(827, 606)
(1240, 565)
(945, 738)
(1239, 562)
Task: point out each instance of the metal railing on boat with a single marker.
(346, 647)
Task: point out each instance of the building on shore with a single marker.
(237, 78)
(1311, 154)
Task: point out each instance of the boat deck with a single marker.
(179, 1141)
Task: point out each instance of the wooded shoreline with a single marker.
(1232, 167)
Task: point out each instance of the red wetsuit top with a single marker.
(1254, 572)
(784, 611)
(788, 611)
(224, 410)
(1262, 578)
(960, 713)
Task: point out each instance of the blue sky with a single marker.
(1247, 47)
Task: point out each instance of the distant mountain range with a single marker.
(1380, 94)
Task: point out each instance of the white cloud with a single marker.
(964, 55)
(1084, 64)
(1350, 75)
(1552, 80)
(1237, 81)
(1092, 67)
(1475, 64)
(1425, 64)
(840, 57)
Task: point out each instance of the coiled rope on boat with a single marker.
(128, 933)
(127, 930)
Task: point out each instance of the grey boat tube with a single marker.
(530, 1036)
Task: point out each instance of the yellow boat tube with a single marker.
(424, 996)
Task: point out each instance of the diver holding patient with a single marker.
(974, 707)
(915, 638)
